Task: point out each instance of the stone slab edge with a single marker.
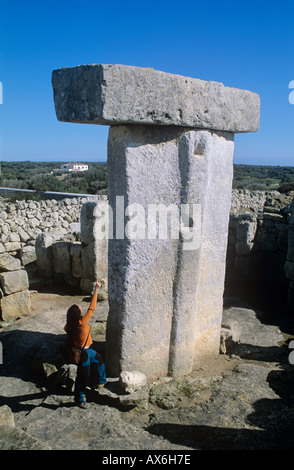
(121, 94)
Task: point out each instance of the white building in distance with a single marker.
(67, 167)
(74, 167)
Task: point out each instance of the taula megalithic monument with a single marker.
(170, 167)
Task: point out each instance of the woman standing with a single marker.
(78, 332)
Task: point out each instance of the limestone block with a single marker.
(94, 238)
(87, 222)
(66, 376)
(111, 94)
(44, 252)
(15, 305)
(12, 246)
(24, 237)
(165, 292)
(88, 261)
(76, 267)
(76, 249)
(28, 255)
(94, 221)
(14, 237)
(14, 281)
(6, 416)
(75, 227)
(245, 233)
(230, 336)
(132, 381)
(61, 257)
(9, 263)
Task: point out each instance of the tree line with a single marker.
(39, 177)
(264, 178)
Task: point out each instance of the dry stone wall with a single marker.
(76, 260)
(259, 238)
(21, 223)
(14, 290)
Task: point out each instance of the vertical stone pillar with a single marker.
(170, 152)
(167, 293)
(94, 246)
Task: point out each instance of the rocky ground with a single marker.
(243, 399)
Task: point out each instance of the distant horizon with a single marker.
(105, 161)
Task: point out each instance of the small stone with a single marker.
(132, 381)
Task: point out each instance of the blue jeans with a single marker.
(91, 366)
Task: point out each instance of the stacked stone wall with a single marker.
(258, 242)
(76, 259)
(21, 223)
(15, 296)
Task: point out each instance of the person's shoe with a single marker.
(82, 405)
(101, 385)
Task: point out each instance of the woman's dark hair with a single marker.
(72, 317)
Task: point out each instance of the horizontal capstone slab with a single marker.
(120, 94)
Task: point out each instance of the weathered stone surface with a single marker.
(14, 281)
(76, 260)
(165, 294)
(9, 263)
(28, 255)
(6, 416)
(230, 335)
(61, 257)
(14, 438)
(94, 238)
(112, 94)
(12, 246)
(130, 381)
(44, 252)
(245, 234)
(15, 305)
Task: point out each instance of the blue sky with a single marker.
(248, 45)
